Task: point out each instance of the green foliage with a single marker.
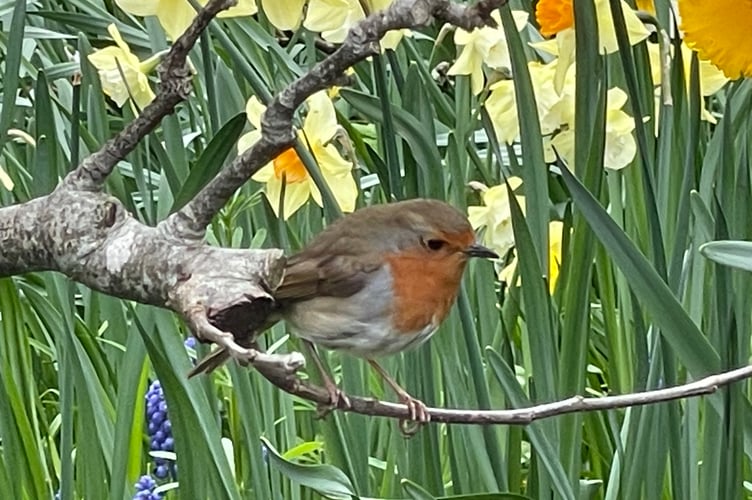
(637, 304)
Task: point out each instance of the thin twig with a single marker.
(519, 416)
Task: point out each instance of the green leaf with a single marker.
(539, 438)
(729, 253)
(12, 64)
(45, 167)
(328, 480)
(682, 333)
(211, 160)
(422, 146)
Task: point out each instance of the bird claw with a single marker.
(419, 416)
(337, 399)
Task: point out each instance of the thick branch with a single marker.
(175, 78)
(277, 129)
(23, 247)
(520, 416)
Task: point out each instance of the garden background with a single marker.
(589, 146)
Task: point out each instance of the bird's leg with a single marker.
(335, 393)
(418, 410)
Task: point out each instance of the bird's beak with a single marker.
(478, 250)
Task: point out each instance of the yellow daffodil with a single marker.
(481, 46)
(286, 15)
(555, 238)
(556, 17)
(620, 147)
(719, 31)
(712, 79)
(176, 15)
(117, 61)
(287, 170)
(332, 18)
(556, 115)
(5, 180)
(502, 105)
(496, 216)
(646, 5)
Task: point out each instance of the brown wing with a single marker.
(308, 276)
(338, 261)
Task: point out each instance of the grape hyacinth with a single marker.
(160, 430)
(145, 489)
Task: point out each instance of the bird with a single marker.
(374, 283)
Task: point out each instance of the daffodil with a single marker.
(496, 216)
(719, 31)
(286, 15)
(711, 81)
(481, 46)
(620, 147)
(117, 61)
(556, 115)
(646, 5)
(502, 105)
(332, 18)
(176, 15)
(556, 17)
(287, 172)
(555, 238)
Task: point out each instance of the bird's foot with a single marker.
(337, 399)
(419, 415)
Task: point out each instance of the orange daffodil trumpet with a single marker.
(287, 173)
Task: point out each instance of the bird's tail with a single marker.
(210, 362)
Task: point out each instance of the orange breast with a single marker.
(424, 288)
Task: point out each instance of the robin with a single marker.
(373, 283)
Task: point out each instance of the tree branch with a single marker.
(519, 416)
(277, 132)
(175, 77)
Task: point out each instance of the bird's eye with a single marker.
(435, 244)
